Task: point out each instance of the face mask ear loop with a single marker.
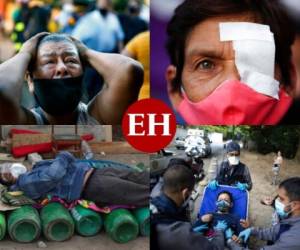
(182, 90)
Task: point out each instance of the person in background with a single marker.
(232, 172)
(139, 49)
(276, 168)
(132, 24)
(20, 17)
(101, 31)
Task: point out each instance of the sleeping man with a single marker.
(70, 179)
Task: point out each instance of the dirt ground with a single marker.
(100, 241)
(260, 168)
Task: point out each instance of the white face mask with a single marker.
(233, 160)
(280, 209)
(17, 169)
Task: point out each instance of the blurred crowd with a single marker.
(111, 26)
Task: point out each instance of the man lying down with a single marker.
(71, 179)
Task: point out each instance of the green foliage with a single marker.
(229, 132)
(273, 138)
(267, 139)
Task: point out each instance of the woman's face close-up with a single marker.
(57, 60)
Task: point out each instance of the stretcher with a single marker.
(240, 201)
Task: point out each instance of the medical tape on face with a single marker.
(254, 48)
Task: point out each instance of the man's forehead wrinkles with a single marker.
(55, 53)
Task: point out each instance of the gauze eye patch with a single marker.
(254, 48)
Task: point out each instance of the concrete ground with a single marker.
(98, 242)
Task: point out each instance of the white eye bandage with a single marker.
(254, 48)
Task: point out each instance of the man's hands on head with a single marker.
(30, 45)
(82, 49)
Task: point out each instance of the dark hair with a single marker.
(292, 188)
(177, 178)
(228, 193)
(192, 12)
(178, 161)
(3, 182)
(54, 37)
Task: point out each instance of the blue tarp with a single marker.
(240, 205)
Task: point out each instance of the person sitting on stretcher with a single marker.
(224, 203)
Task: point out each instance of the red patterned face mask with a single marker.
(235, 103)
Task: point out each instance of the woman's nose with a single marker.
(232, 72)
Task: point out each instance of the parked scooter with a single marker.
(196, 162)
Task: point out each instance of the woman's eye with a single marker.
(49, 62)
(206, 64)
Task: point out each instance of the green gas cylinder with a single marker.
(121, 225)
(57, 223)
(142, 216)
(87, 221)
(24, 224)
(2, 225)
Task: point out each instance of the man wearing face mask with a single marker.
(231, 63)
(54, 66)
(232, 172)
(170, 224)
(132, 24)
(285, 234)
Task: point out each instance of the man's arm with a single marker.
(179, 235)
(218, 171)
(248, 178)
(268, 234)
(288, 240)
(12, 74)
(123, 78)
(46, 177)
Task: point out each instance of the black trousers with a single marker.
(113, 186)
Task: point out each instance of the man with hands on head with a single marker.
(232, 172)
(53, 65)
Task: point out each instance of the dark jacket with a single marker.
(285, 235)
(62, 177)
(171, 230)
(231, 175)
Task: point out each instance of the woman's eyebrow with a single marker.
(207, 52)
